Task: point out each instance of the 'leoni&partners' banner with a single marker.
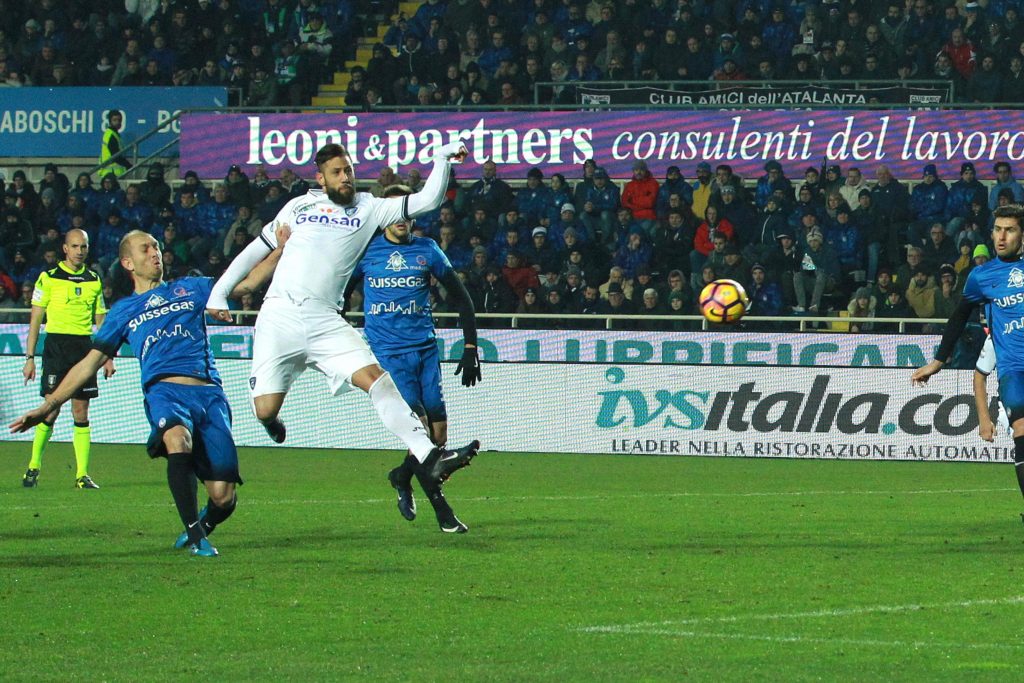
(604, 346)
(69, 122)
(620, 409)
(562, 141)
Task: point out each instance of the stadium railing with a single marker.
(785, 323)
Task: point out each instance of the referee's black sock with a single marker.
(216, 514)
(1018, 461)
(181, 479)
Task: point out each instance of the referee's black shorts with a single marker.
(60, 353)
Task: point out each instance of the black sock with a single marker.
(216, 515)
(181, 479)
(408, 468)
(1018, 461)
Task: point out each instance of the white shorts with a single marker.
(291, 337)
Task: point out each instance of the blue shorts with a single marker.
(1011, 393)
(203, 411)
(417, 374)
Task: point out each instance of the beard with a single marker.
(342, 196)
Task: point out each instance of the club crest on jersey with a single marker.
(180, 291)
(1016, 278)
(396, 262)
(422, 260)
(351, 211)
(155, 300)
(78, 291)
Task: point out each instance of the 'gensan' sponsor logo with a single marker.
(747, 409)
(328, 221)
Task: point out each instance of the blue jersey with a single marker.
(1001, 284)
(396, 285)
(166, 329)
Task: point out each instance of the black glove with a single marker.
(469, 367)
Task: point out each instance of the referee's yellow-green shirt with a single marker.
(71, 299)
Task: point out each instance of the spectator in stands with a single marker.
(273, 202)
(914, 261)
(848, 243)
(154, 190)
(1013, 81)
(703, 188)
(674, 184)
(600, 203)
(491, 193)
(773, 180)
(110, 194)
(105, 247)
(927, 205)
(541, 255)
(532, 201)
(947, 294)
(939, 249)
(640, 196)
(314, 49)
(738, 214)
(518, 275)
(862, 305)
(54, 180)
(852, 186)
(986, 81)
(27, 199)
(619, 304)
(1004, 180)
(958, 201)
(673, 242)
(962, 57)
(724, 176)
(733, 266)
(191, 181)
(245, 222)
(634, 254)
(134, 211)
(920, 293)
(818, 275)
(892, 201)
(765, 295)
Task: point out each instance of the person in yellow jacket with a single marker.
(111, 149)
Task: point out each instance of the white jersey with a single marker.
(987, 358)
(327, 240)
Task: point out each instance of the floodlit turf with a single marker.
(576, 568)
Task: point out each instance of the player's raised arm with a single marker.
(432, 194)
(73, 381)
(469, 364)
(264, 270)
(242, 266)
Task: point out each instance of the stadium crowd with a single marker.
(448, 54)
(644, 247)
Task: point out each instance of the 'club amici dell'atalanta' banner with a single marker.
(558, 142)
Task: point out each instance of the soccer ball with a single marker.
(723, 301)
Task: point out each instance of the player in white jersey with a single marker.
(300, 325)
(985, 366)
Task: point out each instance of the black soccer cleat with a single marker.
(276, 430)
(402, 483)
(446, 518)
(442, 463)
(31, 478)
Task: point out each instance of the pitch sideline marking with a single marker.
(662, 627)
(602, 497)
(829, 641)
(624, 496)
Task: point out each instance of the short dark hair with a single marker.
(1015, 211)
(328, 152)
(397, 191)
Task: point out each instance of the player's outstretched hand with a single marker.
(454, 152)
(469, 367)
(219, 314)
(921, 375)
(29, 370)
(31, 418)
(109, 369)
(283, 232)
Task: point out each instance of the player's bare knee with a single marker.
(267, 406)
(222, 493)
(365, 378)
(178, 440)
(80, 411)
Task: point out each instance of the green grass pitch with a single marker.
(576, 568)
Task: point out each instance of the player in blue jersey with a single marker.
(164, 323)
(998, 285)
(396, 270)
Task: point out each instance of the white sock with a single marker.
(399, 418)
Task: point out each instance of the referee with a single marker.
(71, 296)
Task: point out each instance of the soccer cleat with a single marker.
(275, 430)
(446, 518)
(442, 463)
(86, 482)
(406, 499)
(31, 478)
(202, 549)
(183, 536)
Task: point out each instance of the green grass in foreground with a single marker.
(576, 568)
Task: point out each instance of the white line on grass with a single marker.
(655, 626)
(503, 499)
(917, 644)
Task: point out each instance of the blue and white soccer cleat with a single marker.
(202, 549)
(183, 536)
